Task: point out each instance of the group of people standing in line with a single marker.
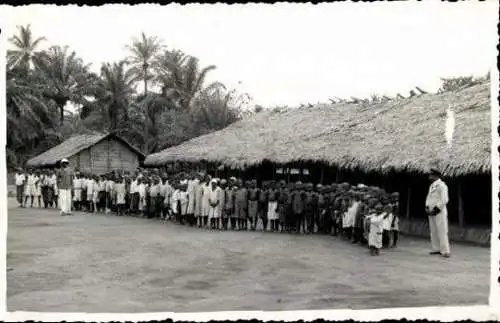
(36, 186)
(363, 214)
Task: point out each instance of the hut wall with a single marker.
(100, 157)
(84, 160)
(106, 156)
(74, 161)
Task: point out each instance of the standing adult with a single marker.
(65, 182)
(191, 198)
(205, 203)
(20, 180)
(435, 206)
(30, 187)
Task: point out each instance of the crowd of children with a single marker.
(36, 186)
(362, 214)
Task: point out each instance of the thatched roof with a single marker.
(404, 134)
(73, 146)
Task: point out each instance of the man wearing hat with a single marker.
(435, 206)
(65, 182)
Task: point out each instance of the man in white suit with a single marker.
(435, 206)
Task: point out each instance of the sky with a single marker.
(290, 54)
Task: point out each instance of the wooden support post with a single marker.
(408, 202)
(461, 216)
(274, 171)
(337, 175)
(322, 174)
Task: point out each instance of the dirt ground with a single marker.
(88, 263)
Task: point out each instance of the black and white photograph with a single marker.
(251, 158)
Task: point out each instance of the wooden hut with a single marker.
(390, 144)
(97, 153)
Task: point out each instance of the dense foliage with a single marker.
(173, 105)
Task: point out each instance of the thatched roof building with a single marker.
(99, 153)
(398, 135)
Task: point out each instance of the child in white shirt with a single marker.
(20, 179)
(141, 189)
(77, 192)
(89, 184)
(109, 194)
(95, 193)
(174, 201)
(101, 204)
(30, 188)
(167, 191)
(183, 202)
(376, 229)
(120, 195)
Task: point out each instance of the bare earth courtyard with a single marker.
(88, 263)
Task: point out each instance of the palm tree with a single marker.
(180, 77)
(63, 77)
(143, 52)
(25, 46)
(30, 118)
(216, 108)
(113, 97)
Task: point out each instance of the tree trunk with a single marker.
(145, 68)
(61, 117)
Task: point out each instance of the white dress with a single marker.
(141, 189)
(77, 185)
(176, 195)
(184, 202)
(120, 193)
(30, 187)
(190, 194)
(205, 205)
(376, 229)
(95, 192)
(272, 214)
(350, 215)
(214, 212)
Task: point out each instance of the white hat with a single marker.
(64, 160)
